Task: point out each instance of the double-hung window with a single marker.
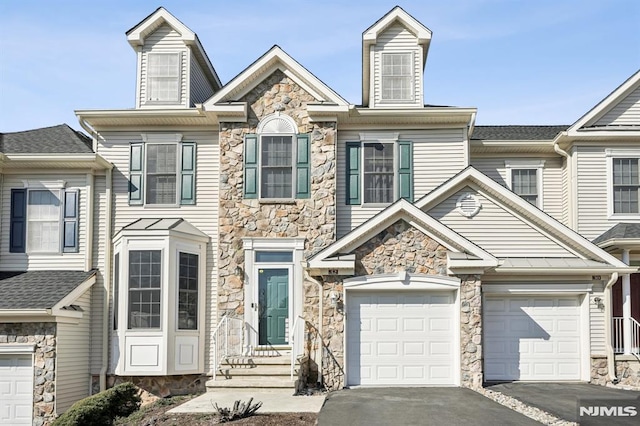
(162, 173)
(397, 76)
(163, 77)
(378, 172)
(524, 177)
(44, 220)
(145, 288)
(276, 166)
(626, 186)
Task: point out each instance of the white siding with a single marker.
(592, 192)
(496, 230)
(72, 372)
(396, 38)
(26, 261)
(596, 321)
(201, 89)
(438, 154)
(164, 39)
(552, 184)
(625, 113)
(203, 215)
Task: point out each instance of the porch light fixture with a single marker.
(333, 299)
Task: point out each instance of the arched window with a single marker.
(277, 160)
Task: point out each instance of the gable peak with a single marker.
(161, 16)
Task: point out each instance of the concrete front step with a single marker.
(251, 382)
(256, 370)
(239, 361)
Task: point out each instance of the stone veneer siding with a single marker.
(400, 247)
(43, 336)
(313, 218)
(627, 372)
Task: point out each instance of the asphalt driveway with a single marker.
(561, 399)
(415, 406)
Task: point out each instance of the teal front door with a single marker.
(273, 302)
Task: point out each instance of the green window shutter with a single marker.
(136, 174)
(70, 230)
(353, 173)
(18, 230)
(303, 167)
(188, 174)
(405, 170)
(251, 166)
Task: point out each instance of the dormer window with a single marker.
(397, 76)
(163, 77)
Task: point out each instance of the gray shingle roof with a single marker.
(60, 139)
(38, 289)
(621, 231)
(516, 133)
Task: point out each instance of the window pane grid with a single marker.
(161, 173)
(626, 185)
(378, 165)
(524, 182)
(396, 76)
(188, 292)
(144, 288)
(276, 167)
(164, 77)
(43, 221)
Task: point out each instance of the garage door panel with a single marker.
(16, 389)
(410, 344)
(536, 338)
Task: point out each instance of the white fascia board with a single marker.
(137, 34)
(620, 243)
(565, 271)
(423, 33)
(96, 161)
(73, 296)
(605, 105)
(17, 348)
(560, 233)
(331, 264)
(401, 281)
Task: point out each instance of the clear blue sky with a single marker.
(518, 62)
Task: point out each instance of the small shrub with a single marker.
(102, 409)
(240, 410)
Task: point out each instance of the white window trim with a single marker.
(142, 245)
(412, 59)
(17, 348)
(161, 139)
(179, 100)
(538, 165)
(384, 138)
(250, 246)
(57, 186)
(282, 122)
(610, 155)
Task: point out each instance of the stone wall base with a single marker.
(627, 372)
(154, 387)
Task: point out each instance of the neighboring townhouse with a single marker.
(268, 233)
(48, 267)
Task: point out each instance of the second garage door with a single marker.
(532, 338)
(400, 338)
(16, 389)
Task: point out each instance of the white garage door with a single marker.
(532, 338)
(400, 338)
(16, 389)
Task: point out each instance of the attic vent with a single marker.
(277, 123)
(468, 205)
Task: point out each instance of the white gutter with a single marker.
(319, 350)
(608, 311)
(106, 283)
(571, 222)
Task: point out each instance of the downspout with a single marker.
(88, 260)
(556, 147)
(611, 365)
(106, 282)
(320, 319)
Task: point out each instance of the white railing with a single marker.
(635, 337)
(227, 340)
(295, 340)
(618, 335)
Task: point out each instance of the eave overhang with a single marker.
(9, 162)
(144, 119)
(511, 146)
(353, 116)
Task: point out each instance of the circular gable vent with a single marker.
(468, 205)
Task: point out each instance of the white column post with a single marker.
(626, 305)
